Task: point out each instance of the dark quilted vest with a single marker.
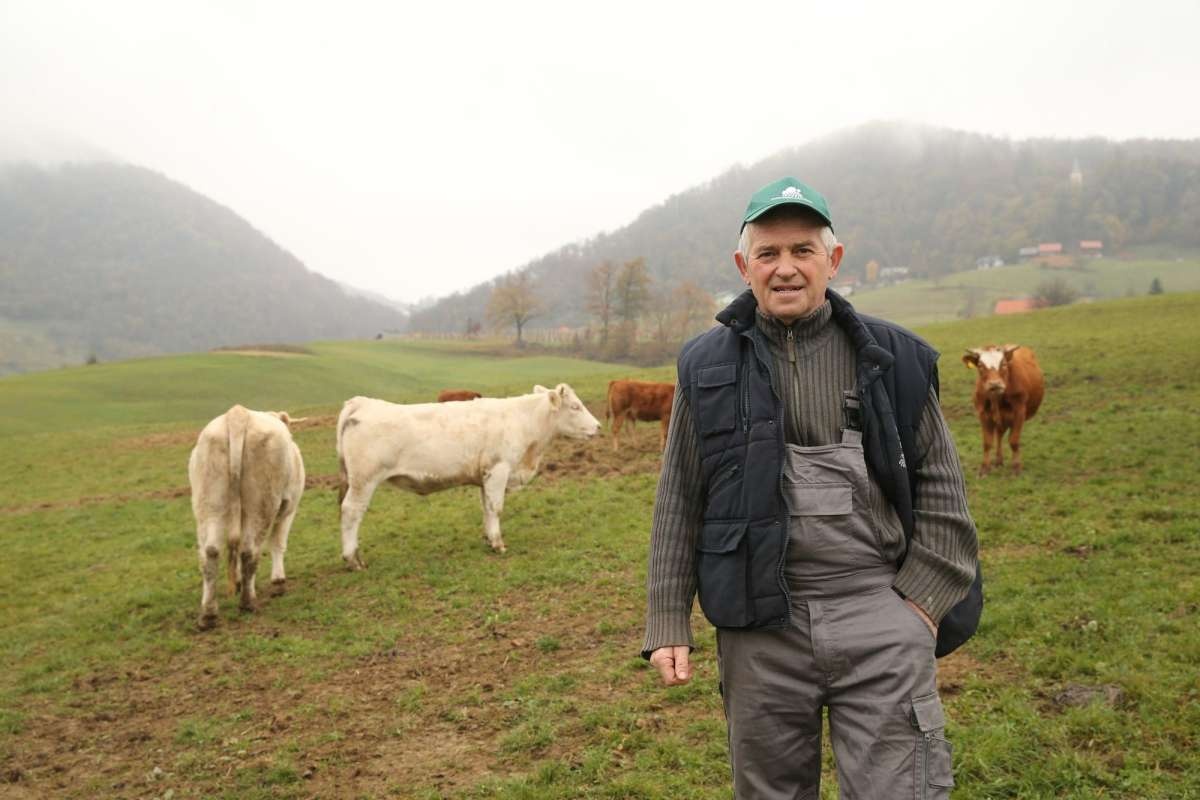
(738, 417)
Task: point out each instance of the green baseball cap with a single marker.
(783, 192)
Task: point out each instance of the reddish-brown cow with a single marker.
(639, 400)
(1008, 391)
(451, 395)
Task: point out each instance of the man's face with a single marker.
(787, 266)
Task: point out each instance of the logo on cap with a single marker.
(791, 193)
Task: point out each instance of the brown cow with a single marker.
(1008, 391)
(451, 395)
(639, 400)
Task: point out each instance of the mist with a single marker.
(420, 151)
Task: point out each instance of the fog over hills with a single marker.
(930, 199)
(104, 259)
(113, 261)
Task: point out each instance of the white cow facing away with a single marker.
(247, 477)
(493, 443)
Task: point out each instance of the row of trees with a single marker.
(632, 313)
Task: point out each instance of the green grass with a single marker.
(926, 302)
(445, 670)
(185, 389)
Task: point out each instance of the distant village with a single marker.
(1048, 255)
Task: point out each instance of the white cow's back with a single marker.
(435, 445)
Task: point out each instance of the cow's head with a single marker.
(992, 364)
(571, 417)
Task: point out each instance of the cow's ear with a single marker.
(539, 389)
(555, 400)
(282, 417)
(1009, 349)
(971, 359)
(562, 390)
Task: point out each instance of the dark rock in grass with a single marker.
(1078, 695)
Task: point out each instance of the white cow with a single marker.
(493, 443)
(247, 477)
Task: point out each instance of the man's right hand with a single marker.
(672, 664)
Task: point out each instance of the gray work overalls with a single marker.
(853, 646)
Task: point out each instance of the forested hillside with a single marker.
(928, 199)
(114, 261)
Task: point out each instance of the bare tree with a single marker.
(696, 308)
(1055, 292)
(663, 311)
(601, 295)
(633, 290)
(514, 302)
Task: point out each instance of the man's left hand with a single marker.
(924, 617)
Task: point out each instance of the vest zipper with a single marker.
(746, 398)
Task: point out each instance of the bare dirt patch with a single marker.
(580, 459)
(430, 711)
(100, 499)
(187, 437)
(954, 670)
(265, 350)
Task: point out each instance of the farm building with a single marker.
(1016, 306)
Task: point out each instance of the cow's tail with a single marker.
(343, 480)
(237, 420)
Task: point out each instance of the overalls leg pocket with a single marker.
(934, 774)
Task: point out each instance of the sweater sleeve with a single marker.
(678, 515)
(940, 564)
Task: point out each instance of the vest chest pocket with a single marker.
(721, 571)
(716, 399)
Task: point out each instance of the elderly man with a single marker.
(811, 494)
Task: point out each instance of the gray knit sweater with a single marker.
(815, 362)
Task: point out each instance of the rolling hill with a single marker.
(933, 200)
(116, 261)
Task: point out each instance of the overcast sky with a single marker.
(419, 148)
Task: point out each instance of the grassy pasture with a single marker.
(446, 671)
(925, 302)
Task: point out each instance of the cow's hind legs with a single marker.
(249, 557)
(354, 506)
(279, 540)
(210, 569)
(495, 481)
